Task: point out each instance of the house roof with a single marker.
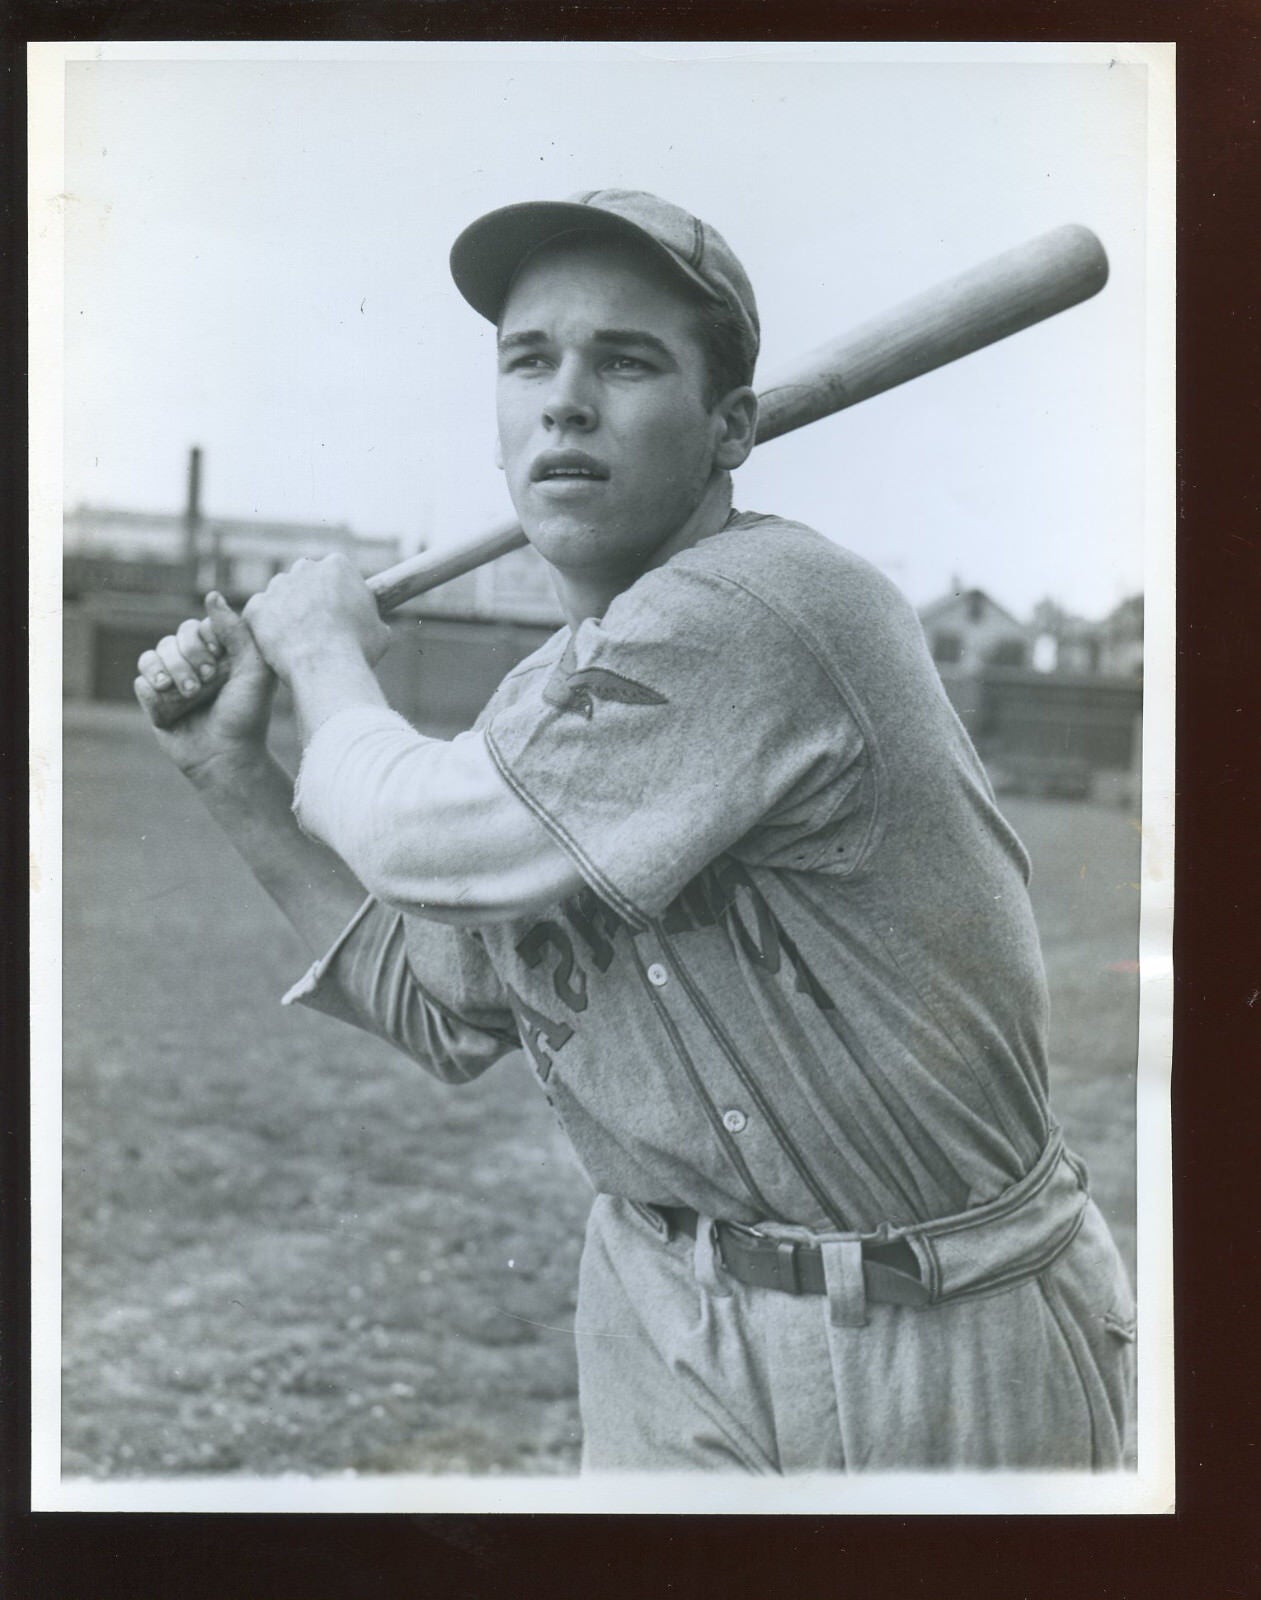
(957, 597)
(1126, 619)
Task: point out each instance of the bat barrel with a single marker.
(1012, 291)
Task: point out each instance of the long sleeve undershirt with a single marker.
(427, 825)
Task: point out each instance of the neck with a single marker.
(584, 595)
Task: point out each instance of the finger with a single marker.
(160, 692)
(193, 648)
(155, 674)
(153, 700)
(209, 637)
(158, 676)
(229, 627)
(162, 707)
(172, 658)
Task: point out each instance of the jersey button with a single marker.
(734, 1121)
(658, 976)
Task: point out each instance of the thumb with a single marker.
(230, 628)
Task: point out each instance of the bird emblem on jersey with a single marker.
(569, 689)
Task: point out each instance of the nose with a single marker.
(568, 402)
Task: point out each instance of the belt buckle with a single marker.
(783, 1253)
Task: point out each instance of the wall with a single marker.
(103, 634)
(439, 675)
(1078, 718)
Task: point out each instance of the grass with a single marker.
(285, 1248)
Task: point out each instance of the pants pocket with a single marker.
(1121, 1326)
(1090, 1292)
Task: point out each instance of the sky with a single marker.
(255, 262)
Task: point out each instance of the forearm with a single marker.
(339, 679)
(428, 825)
(428, 990)
(250, 796)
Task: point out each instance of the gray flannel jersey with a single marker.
(803, 980)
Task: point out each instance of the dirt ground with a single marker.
(285, 1248)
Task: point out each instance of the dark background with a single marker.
(1210, 1547)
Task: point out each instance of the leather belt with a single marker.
(795, 1266)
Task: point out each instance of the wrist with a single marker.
(237, 767)
(342, 680)
(307, 654)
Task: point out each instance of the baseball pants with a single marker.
(676, 1373)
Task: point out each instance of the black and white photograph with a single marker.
(603, 777)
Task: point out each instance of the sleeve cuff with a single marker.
(308, 984)
(318, 789)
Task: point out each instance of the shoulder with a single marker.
(776, 552)
(526, 676)
(784, 572)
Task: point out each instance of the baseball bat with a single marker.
(1009, 292)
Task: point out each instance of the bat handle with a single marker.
(420, 573)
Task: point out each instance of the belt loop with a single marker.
(705, 1260)
(843, 1274)
(786, 1267)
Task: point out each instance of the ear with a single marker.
(736, 417)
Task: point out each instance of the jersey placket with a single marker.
(743, 1122)
(750, 1089)
(656, 977)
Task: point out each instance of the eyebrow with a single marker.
(531, 338)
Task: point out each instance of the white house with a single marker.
(967, 630)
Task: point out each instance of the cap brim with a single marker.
(489, 253)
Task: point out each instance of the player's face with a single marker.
(604, 434)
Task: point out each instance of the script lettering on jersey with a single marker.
(764, 943)
(724, 893)
(541, 1036)
(568, 978)
(597, 925)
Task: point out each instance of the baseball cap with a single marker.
(489, 253)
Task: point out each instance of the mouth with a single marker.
(567, 466)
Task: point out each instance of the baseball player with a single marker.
(720, 856)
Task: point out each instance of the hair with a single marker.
(727, 348)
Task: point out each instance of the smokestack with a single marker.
(192, 524)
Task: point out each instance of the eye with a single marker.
(528, 361)
(628, 364)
